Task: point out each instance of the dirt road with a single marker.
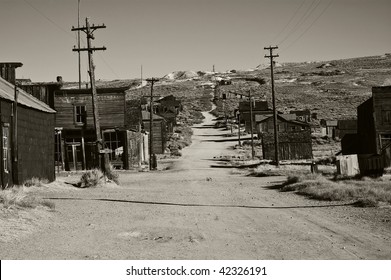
(193, 211)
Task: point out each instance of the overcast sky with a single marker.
(170, 35)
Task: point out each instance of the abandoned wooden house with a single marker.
(259, 108)
(292, 145)
(43, 91)
(76, 139)
(159, 131)
(374, 124)
(27, 129)
(285, 123)
(329, 127)
(294, 137)
(168, 107)
(302, 115)
(345, 127)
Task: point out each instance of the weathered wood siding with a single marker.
(292, 145)
(158, 135)
(111, 109)
(35, 144)
(133, 147)
(6, 179)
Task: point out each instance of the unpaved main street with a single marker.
(192, 211)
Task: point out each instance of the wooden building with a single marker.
(293, 145)
(294, 137)
(285, 123)
(258, 108)
(76, 139)
(159, 131)
(345, 127)
(168, 107)
(374, 124)
(27, 135)
(329, 127)
(302, 115)
(42, 91)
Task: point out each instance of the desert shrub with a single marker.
(35, 182)
(112, 174)
(90, 178)
(19, 198)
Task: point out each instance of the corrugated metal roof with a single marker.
(7, 91)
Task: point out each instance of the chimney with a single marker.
(7, 71)
(59, 80)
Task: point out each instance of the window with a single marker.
(113, 141)
(80, 114)
(5, 146)
(386, 116)
(385, 140)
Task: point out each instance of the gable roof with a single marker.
(7, 91)
(281, 117)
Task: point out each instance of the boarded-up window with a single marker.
(5, 146)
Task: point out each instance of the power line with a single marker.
(70, 34)
(310, 26)
(303, 18)
(47, 18)
(290, 21)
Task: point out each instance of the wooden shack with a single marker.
(345, 127)
(159, 131)
(285, 123)
(293, 145)
(258, 108)
(76, 143)
(27, 136)
(168, 107)
(374, 124)
(330, 126)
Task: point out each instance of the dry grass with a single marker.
(112, 174)
(91, 178)
(18, 197)
(364, 191)
(35, 182)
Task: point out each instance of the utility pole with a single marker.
(239, 130)
(89, 30)
(78, 40)
(152, 159)
(271, 56)
(251, 123)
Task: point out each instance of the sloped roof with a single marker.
(282, 117)
(7, 91)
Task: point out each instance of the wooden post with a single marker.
(239, 130)
(99, 141)
(15, 177)
(151, 152)
(251, 124)
(271, 56)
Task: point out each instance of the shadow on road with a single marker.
(197, 205)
